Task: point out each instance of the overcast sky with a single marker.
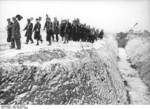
(111, 15)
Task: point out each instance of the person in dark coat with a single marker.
(101, 34)
(84, 35)
(9, 30)
(74, 31)
(16, 33)
(88, 31)
(67, 31)
(56, 28)
(36, 30)
(92, 35)
(49, 32)
(62, 28)
(28, 29)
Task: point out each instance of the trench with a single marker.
(137, 91)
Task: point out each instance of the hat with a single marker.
(28, 20)
(19, 17)
(31, 18)
(46, 15)
(40, 18)
(8, 19)
(13, 17)
(48, 18)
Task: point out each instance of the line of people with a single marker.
(68, 31)
(71, 31)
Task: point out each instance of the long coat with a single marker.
(48, 26)
(16, 30)
(62, 29)
(29, 28)
(9, 31)
(101, 34)
(36, 30)
(56, 27)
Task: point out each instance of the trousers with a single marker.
(18, 43)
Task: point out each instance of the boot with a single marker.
(37, 43)
(32, 42)
(49, 43)
(41, 41)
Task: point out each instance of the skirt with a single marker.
(37, 36)
(49, 35)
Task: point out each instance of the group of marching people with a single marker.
(68, 31)
(77, 31)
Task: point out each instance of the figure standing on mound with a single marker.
(49, 32)
(101, 34)
(16, 32)
(28, 33)
(9, 29)
(56, 28)
(36, 31)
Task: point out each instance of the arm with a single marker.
(53, 26)
(39, 27)
(31, 26)
(17, 28)
(45, 26)
(25, 27)
(34, 28)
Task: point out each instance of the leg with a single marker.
(37, 42)
(18, 43)
(53, 37)
(57, 37)
(30, 38)
(12, 43)
(50, 40)
(67, 38)
(9, 36)
(27, 40)
(41, 38)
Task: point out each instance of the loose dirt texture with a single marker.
(138, 50)
(74, 73)
(138, 91)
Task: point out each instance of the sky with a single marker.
(110, 15)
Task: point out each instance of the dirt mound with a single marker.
(75, 73)
(138, 50)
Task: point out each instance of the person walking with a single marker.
(28, 29)
(49, 32)
(67, 31)
(56, 28)
(101, 34)
(36, 31)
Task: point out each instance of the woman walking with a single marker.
(49, 31)
(36, 31)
